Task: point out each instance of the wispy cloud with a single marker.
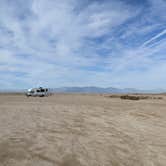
(154, 38)
(63, 43)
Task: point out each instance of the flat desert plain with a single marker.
(81, 130)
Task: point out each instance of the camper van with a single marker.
(41, 92)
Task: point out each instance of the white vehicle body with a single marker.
(41, 92)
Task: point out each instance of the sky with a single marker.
(106, 43)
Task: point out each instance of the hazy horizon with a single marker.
(88, 89)
(79, 43)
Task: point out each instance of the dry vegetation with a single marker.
(82, 130)
(136, 97)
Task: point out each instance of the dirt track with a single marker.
(81, 130)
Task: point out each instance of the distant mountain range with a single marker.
(90, 89)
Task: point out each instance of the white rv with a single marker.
(41, 92)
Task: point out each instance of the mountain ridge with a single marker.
(95, 89)
(90, 89)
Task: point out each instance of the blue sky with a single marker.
(56, 43)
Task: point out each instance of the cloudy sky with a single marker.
(56, 43)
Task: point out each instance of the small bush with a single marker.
(127, 97)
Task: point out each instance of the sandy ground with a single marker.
(81, 130)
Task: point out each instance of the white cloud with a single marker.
(54, 43)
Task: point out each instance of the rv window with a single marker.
(38, 90)
(42, 90)
(32, 91)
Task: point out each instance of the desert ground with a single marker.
(81, 130)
